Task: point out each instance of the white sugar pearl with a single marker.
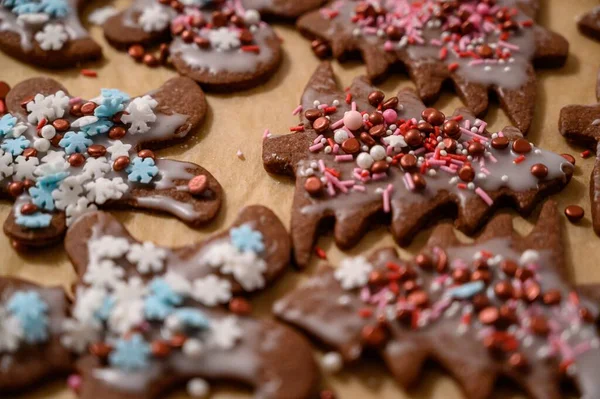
(529, 256)
(365, 148)
(193, 348)
(340, 135)
(173, 323)
(48, 132)
(336, 103)
(332, 362)
(327, 150)
(364, 160)
(504, 178)
(378, 152)
(252, 17)
(198, 388)
(41, 145)
(471, 186)
(309, 172)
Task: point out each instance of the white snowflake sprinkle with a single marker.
(224, 39)
(52, 37)
(140, 112)
(103, 189)
(25, 167)
(81, 207)
(353, 272)
(246, 267)
(6, 165)
(224, 333)
(154, 19)
(67, 193)
(118, 149)
(211, 290)
(96, 168)
(148, 257)
(104, 273)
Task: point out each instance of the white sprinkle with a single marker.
(240, 154)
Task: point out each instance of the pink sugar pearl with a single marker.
(483, 9)
(353, 120)
(74, 382)
(390, 116)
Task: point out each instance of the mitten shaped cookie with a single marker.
(501, 306)
(47, 33)
(155, 318)
(580, 124)
(62, 156)
(357, 156)
(480, 46)
(31, 319)
(219, 44)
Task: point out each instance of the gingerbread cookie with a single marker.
(30, 328)
(357, 155)
(580, 124)
(219, 44)
(480, 45)
(46, 33)
(498, 307)
(147, 319)
(589, 23)
(61, 156)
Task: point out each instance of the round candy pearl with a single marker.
(364, 160)
(340, 136)
(252, 17)
(353, 120)
(332, 362)
(41, 145)
(193, 348)
(198, 388)
(48, 132)
(483, 9)
(390, 116)
(378, 152)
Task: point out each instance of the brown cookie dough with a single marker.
(47, 33)
(63, 156)
(357, 156)
(166, 317)
(589, 23)
(580, 124)
(500, 307)
(31, 317)
(220, 45)
(480, 48)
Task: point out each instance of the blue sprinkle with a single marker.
(75, 142)
(115, 94)
(42, 197)
(7, 122)
(130, 355)
(55, 8)
(161, 289)
(467, 290)
(142, 170)
(191, 318)
(244, 238)
(36, 221)
(15, 146)
(156, 309)
(112, 102)
(100, 127)
(106, 309)
(50, 182)
(29, 308)
(27, 8)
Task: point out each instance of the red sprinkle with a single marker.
(519, 159)
(365, 313)
(330, 110)
(453, 67)
(443, 53)
(2, 107)
(42, 123)
(251, 49)
(299, 128)
(89, 73)
(348, 98)
(586, 154)
(320, 253)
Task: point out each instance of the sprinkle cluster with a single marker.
(511, 305)
(23, 320)
(69, 155)
(476, 30)
(218, 25)
(117, 314)
(381, 142)
(44, 17)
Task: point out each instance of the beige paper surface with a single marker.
(237, 121)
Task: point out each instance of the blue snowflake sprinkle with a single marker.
(106, 309)
(161, 289)
(191, 318)
(7, 122)
(15, 146)
(130, 355)
(156, 309)
(29, 308)
(36, 221)
(55, 8)
(42, 197)
(75, 142)
(244, 238)
(100, 127)
(27, 8)
(13, 3)
(112, 102)
(468, 290)
(50, 182)
(142, 170)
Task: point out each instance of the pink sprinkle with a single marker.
(492, 157)
(456, 162)
(74, 382)
(482, 127)
(336, 148)
(379, 176)
(510, 46)
(316, 147)
(389, 150)
(437, 162)
(435, 42)
(388, 46)
(500, 134)
(447, 169)
(297, 110)
(75, 100)
(266, 134)
(348, 183)
(386, 201)
(353, 105)
(467, 124)
(358, 187)
(357, 175)
(318, 139)
(338, 124)
(322, 166)
(330, 189)
(410, 184)
(365, 294)
(419, 151)
(344, 158)
(475, 135)
(486, 171)
(484, 196)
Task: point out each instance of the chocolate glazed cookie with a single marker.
(47, 33)
(479, 45)
(62, 156)
(357, 155)
(580, 124)
(501, 306)
(178, 315)
(220, 45)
